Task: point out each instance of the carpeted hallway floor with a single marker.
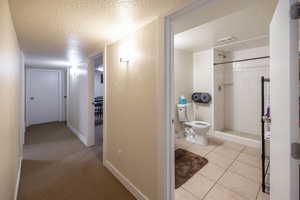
(57, 166)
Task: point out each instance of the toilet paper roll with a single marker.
(205, 98)
(201, 97)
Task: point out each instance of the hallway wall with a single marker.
(11, 115)
(78, 101)
(134, 111)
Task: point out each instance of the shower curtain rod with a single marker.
(235, 61)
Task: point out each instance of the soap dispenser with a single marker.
(182, 100)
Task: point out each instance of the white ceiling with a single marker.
(251, 22)
(260, 41)
(57, 32)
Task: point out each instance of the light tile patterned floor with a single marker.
(233, 172)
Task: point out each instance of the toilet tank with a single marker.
(185, 112)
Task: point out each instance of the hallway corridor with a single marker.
(57, 166)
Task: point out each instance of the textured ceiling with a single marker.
(56, 32)
(249, 22)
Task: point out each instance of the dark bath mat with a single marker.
(186, 165)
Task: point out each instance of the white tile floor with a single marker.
(233, 172)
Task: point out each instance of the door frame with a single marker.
(284, 87)
(62, 102)
(169, 168)
(169, 87)
(91, 96)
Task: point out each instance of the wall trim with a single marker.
(237, 139)
(169, 115)
(125, 182)
(18, 179)
(105, 106)
(78, 134)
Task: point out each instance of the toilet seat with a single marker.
(197, 124)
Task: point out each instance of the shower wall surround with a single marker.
(237, 104)
(235, 87)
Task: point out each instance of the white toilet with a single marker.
(196, 131)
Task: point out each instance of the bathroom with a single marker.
(229, 76)
(221, 93)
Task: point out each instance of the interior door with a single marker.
(43, 96)
(284, 92)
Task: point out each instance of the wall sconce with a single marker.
(126, 52)
(124, 60)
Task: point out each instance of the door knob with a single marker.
(31, 98)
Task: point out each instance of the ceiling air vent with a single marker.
(225, 40)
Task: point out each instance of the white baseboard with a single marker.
(234, 138)
(78, 134)
(127, 184)
(18, 179)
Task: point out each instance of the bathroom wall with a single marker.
(183, 69)
(235, 88)
(242, 93)
(203, 82)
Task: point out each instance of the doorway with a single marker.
(98, 98)
(45, 95)
(242, 139)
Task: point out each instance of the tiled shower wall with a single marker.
(238, 103)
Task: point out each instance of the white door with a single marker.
(284, 103)
(64, 95)
(43, 96)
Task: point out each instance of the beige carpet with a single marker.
(57, 166)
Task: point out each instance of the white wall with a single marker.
(98, 87)
(235, 89)
(203, 82)
(242, 89)
(11, 127)
(78, 101)
(135, 124)
(219, 94)
(183, 70)
(284, 75)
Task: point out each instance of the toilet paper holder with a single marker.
(201, 97)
